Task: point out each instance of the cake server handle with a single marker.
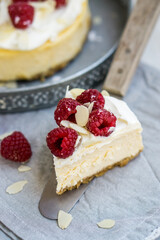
(50, 203)
(132, 43)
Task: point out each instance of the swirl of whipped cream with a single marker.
(47, 24)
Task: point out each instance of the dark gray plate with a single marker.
(88, 68)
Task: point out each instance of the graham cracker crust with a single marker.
(122, 163)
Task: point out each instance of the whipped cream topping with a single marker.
(47, 24)
(126, 122)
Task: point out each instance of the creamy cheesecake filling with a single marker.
(91, 162)
(47, 25)
(93, 154)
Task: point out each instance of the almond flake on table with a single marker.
(24, 168)
(16, 187)
(64, 219)
(106, 223)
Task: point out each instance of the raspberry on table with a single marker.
(91, 95)
(16, 147)
(66, 110)
(61, 141)
(101, 122)
(21, 14)
(60, 3)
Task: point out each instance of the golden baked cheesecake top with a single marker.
(28, 24)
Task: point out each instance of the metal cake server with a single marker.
(50, 203)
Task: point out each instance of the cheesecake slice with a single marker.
(102, 133)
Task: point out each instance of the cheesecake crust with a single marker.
(121, 163)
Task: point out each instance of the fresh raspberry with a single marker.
(100, 122)
(61, 141)
(91, 95)
(66, 110)
(16, 147)
(60, 3)
(21, 14)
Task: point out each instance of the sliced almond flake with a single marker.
(79, 129)
(5, 135)
(78, 141)
(24, 168)
(105, 93)
(65, 123)
(87, 104)
(74, 126)
(64, 219)
(111, 107)
(123, 120)
(76, 92)
(16, 187)
(82, 115)
(106, 223)
(90, 107)
(68, 93)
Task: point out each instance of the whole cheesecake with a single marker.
(96, 133)
(53, 34)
